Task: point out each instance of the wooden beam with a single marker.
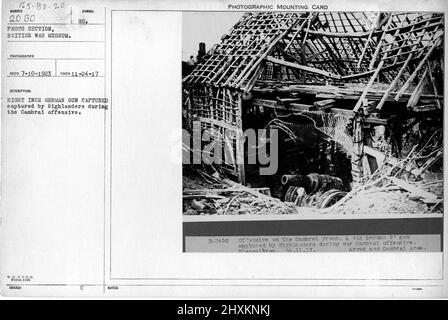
(334, 58)
(301, 67)
(426, 196)
(424, 108)
(275, 105)
(254, 64)
(357, 150)
(390, 160)
(194, 192)
(417, 69)
(299, 107)
(339, 34)
(367, 88)
(340, 92)
(287, 100)
(393, 84)
(428, 163)
(294, 37)
(323, 105)
(252, 81)
(410, 26)
(434, 87)
(375, 120)
(205, 195)
(415, 96)
(364, 50)
(240, 144)
(314, 55)
(378, 47)
(346, 112)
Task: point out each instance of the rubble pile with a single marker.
(412, 184)
(353, 104)
(382, 202)
(204, 194)
(235, 203)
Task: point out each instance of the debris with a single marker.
(208, 196)
(324, 105)
(415, 191)
(359, 108)
(197, 205)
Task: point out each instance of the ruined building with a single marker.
(348, 91)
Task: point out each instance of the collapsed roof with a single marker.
(316, 48)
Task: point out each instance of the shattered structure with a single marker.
(359, 89)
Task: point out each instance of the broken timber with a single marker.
(426, 196)
(324, 57)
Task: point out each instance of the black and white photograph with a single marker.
(312, 131)
(223, 150)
